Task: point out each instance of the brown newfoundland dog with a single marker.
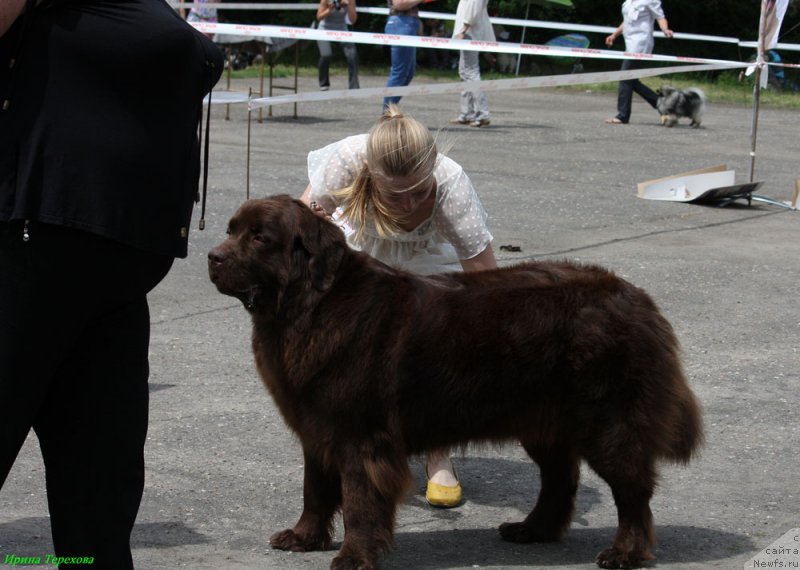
(370, 365)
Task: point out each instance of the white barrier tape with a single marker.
(779, 47)
(562, 26)
(227, 97)
(502, 21)
(436, 43)
(775, 64)
(492, 85)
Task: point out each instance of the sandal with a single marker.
(615, 121)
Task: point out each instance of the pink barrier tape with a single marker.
(492, 85)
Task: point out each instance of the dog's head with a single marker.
(277, 251)
(665, 90)
(666, 100)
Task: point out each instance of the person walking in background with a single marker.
(437, 58)
(638, 17)
(403, 21)
(401, 201)
(337, 15)
(97, 184)
(472, 23)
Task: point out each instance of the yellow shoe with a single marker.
(442, 495)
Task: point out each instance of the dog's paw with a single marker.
(290, 540)
(352, 563)
(524, 533)
(614, 558)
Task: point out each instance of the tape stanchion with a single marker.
(492, 85)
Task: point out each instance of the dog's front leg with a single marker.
(322, 497)
(372, 486)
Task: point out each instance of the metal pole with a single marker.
(757, 88)
(522, 41)
(296, 66)
(754, 125)
(249, 122)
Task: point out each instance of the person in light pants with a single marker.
(472, 23)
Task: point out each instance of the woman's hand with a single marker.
(319, 210)
(617, 33)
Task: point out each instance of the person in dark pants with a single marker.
(337, 15)
(638, 17)
(97, 182)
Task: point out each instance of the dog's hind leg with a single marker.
(632, 483)
(550, 518)
(322, 497)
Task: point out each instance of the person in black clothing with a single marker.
(98, 176)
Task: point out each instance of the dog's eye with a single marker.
(255, 231)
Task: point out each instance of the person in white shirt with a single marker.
(638, 17)
(401, 201)
(472, 23)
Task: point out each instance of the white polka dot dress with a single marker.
(456, 229)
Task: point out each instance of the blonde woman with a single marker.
(401, 201)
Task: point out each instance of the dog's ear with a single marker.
(324, 244)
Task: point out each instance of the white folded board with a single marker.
(715, 183)
(687, 186)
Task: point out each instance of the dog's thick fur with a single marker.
(369, 365)
(675, 103)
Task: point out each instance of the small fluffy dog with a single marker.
(675, 103)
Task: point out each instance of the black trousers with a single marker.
(74, 338)
(626, 90)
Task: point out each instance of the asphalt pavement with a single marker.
(224, 472)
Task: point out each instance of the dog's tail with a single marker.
(680, 414)
(698, 92)
(688, 429)
(674, 416)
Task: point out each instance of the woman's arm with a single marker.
(664, 26)
(324, 10)
(610, 39)
(9, 11)
(484, 260)
(351, 11)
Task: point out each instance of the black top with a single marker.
(101, 127)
